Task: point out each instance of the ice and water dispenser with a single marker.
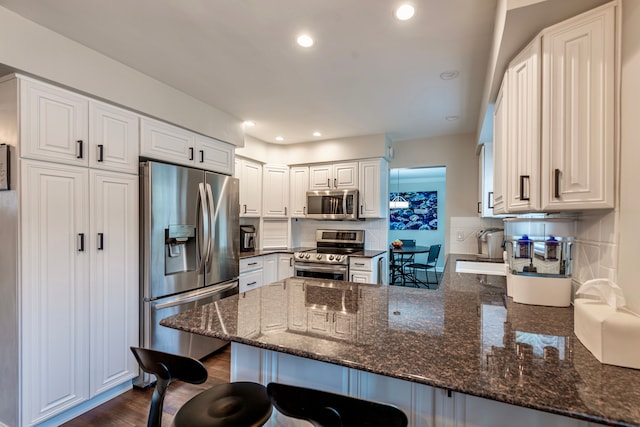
(539, 252)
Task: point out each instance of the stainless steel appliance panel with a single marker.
(223, 259)
(332, 204)
(185, 343)
(321, 271)
(172, 238)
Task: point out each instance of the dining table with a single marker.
(400, 257)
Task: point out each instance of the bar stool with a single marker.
(324, 409)
(239, 404)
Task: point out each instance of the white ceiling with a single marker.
(367, 74)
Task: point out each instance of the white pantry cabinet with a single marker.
(250, 175)
(79, 285)
(163, 141)
(333, 176)
(298, 187)
(374, 188)
(54, 123)
(114, 138)
(275, 191)
(560, 138)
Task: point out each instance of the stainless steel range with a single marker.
(330, 259)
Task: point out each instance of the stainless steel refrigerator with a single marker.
(189, 253)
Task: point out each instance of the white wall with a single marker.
(458, 154)
(629, 220)
(33, 49)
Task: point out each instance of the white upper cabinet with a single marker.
(162, 141)
(114, 138)
(54, 124)
(250, 175)
(299, 185)
(560, 118)
(335, 176)
(579, 112)
(374, 182)
(523, 143)
(486, 194)
(275, 181)
(500, 130)
(214, 155)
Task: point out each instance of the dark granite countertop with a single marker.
(466, 336)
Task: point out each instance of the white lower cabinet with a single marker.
(368, 270)
(251, 270)
(79, 287)
(285, 266)
(425, 406)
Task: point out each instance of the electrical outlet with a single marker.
(460, 235)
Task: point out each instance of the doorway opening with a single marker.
(417, 199)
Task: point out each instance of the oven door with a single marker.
(321, 271)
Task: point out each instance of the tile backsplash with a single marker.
(596, 252)
(303, 231)
(467, 228)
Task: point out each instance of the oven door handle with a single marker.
(318, 267)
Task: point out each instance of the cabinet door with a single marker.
(320, 177)
(250, 189)
(344, 325)
(113, 246)
(373, 189)
(485, 175)
(578, 135)
(319, 321)
(214, 155)
(523, 187)
(115, 141)
(162, 141)
(54, 124)
(285, 266)
(270, 269)
(275, 188)
(299, 186)
(55, 289)
(361, 277)
(297, 319)
(500, 143)
(345, 175)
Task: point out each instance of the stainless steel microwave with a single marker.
(332, 204)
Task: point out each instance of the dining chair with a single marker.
(324, 409)
(432, 261)
(238, 404)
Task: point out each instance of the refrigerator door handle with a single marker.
(203, 214)
(212, 219)
(195, 296)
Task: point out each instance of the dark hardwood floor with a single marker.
(132, 407)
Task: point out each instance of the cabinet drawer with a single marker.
(249, 264)
(249, 281)
(363, 264)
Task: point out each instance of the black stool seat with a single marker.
(324, 409)
(239, 404)
(234, 404)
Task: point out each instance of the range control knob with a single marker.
(307, 256)
(319, 257)
(338, 257)
(330, 257)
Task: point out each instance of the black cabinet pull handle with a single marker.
(100, 241)
(190, 153)
(556, 183)
(100, 152)
(335, 182)
(80, 242)
(328, 183)
(478, 208)
(490, 200)
(245, 208)
(201, 156)
(251, 284)
(79, 148)
(522, 178)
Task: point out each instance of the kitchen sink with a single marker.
(495, 268)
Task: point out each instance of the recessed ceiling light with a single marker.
(449, 75)
(249, 123)
(404, 12)
(452, 118)
(279, 138)
(305, 40)
(317, 134)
